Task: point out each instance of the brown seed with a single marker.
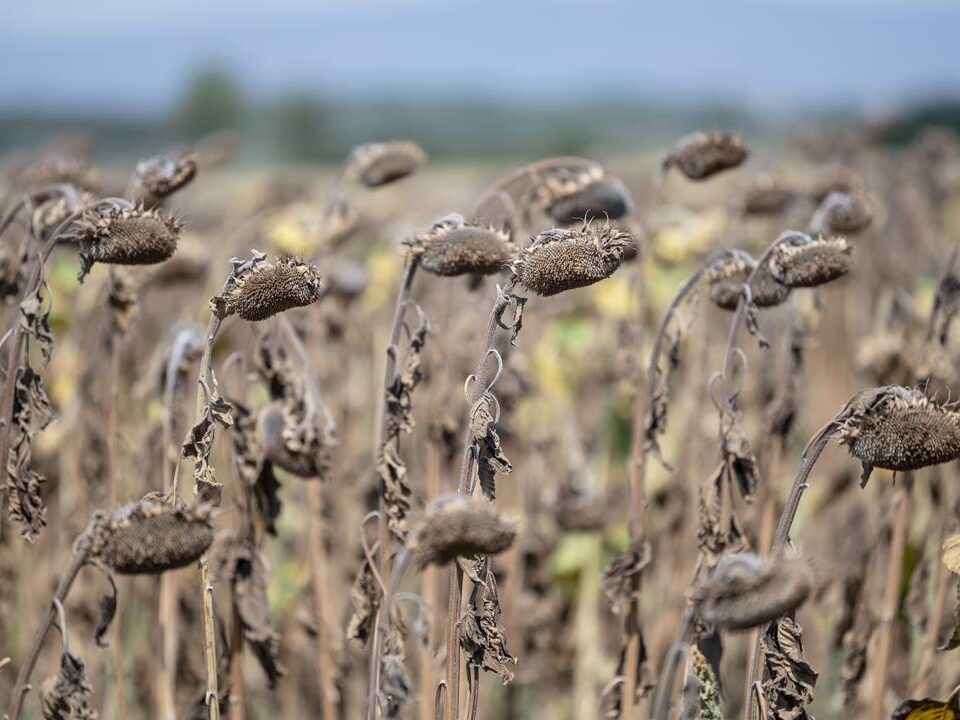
(460, 526)
(745, 591)
(149, 537)
(125, 236)
(270, 288)
(564, 259)
(801, 261)
(376, 164)
(454, 247)
(159, 177)
(843, 213)
(898, 428)
(701, 155)
(727, 275)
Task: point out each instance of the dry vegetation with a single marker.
(583, 447)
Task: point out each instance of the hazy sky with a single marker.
(770, 53)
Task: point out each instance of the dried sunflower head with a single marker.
(452, 246)
(564, 259)
(898, 428)
(49, 214)
(279, 431)
(729, 272)
(766, 195)
(701, 155)
(150, 537)
(570, 195)
(745, 591)
(109, 233)
(376, 164)
(460, 526)
(843, 213)
(261, 289)
(158, 177)
(799, 260)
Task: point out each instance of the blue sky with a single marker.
(769, 54)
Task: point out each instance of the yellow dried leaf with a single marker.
(951, 553)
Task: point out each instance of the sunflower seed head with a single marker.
(799, 260)
(150, 537)
(159, 177)
(125, 236)
(276, 428)
(50, 213)
(460, 526)
(376, 164)
(701, 155)
(266, 288)
(564, 259)
(727, 275)
(453, 246)
(745, 591)
(898, 428)
(843, 213)
(766, 195)
(568, 195)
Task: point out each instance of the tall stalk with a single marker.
(474, 392)
(383, 529)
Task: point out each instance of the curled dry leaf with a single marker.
(929, 709)
(31, 414)
(620, 577)
(398, 418)
(395, 692)
(66, 696)
(490, 459)
(790, 679)
(744, 591)
(702, 155)
(482, 637)
(716, 533)
(564, 259)
(897, 428)
(365, 601)
(740, 462)
(951, 553)
(244, 567)
(460, 526)
(953, 641)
